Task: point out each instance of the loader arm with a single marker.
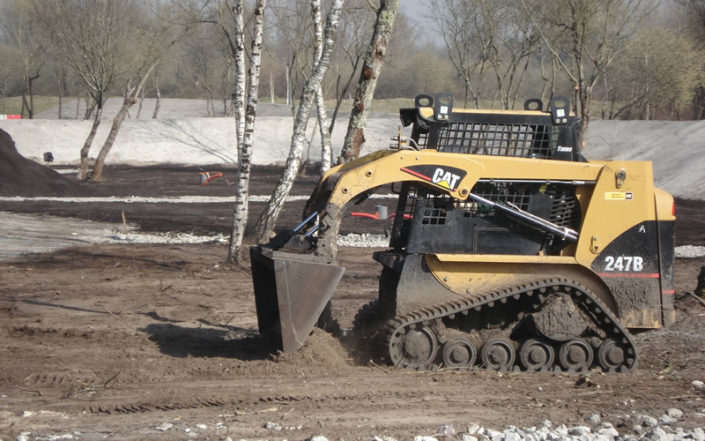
(452, 173)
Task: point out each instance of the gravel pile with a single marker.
(631, 428)
(634, 427)
(380, 240)
(690, 251)
(363, 240)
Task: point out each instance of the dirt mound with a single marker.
(321, 350)
(21, 177)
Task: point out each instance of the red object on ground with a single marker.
(206, 177)
(376, 215)
(366, 215)
(3, 116)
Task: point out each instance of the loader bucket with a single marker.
(291, 291)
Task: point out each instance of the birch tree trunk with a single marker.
(374, 60)
(271, 87)
(240, 76)
(268, 218)
(97, 174)
(320, 103)
(158, 101)
(244, 148)
(83, 172)
(129, 101)
(139, 108)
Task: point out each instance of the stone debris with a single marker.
(164, 427)
(647, 421)
(475, 429)
(689, 251)
(594, 419)
(665, 419)
(608, 430)
(698, 434)
(363, 240)
(381, 240)
(647, 429)
(675, 413)
(631, 428)
(447, 430)
(698, 384)
(273, 426)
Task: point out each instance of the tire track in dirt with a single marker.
(141, 406)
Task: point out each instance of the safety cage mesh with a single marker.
(529, 140)
(523, 140)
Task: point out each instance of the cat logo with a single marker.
(445, 177)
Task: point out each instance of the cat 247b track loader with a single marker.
(508, 250)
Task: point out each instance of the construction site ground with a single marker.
(144, 341)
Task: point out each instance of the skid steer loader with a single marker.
(509, 250)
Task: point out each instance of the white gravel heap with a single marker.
(690, 251)
(644, 428)
(629, 427)
(364, 240)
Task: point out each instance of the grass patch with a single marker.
(12, 105)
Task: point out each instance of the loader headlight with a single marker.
(560, 109)
(442, 106)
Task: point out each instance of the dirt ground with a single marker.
(160, 342)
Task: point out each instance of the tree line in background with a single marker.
(632, 59)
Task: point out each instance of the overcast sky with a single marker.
(411, 7)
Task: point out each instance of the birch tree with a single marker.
(268, 218)
(130, 98)
(244, 117)
(320, 103)
(371, 69)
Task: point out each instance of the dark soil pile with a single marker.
(21, 177)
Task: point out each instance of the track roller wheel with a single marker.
(459, 353)
(536, 355)
(576, 355)
(498, 354)
(415, 348)
(610, 356)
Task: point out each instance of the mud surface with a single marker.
(160, 342)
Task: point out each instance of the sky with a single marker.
(413, 7)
